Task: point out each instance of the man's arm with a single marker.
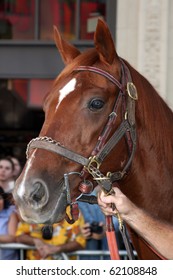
(157, 233)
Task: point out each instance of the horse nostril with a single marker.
(39, 192)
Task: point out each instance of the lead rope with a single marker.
(110, 231)
(111, 239)
(123, 232)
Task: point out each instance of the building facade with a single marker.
(145, 38)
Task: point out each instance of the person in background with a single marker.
(94, 228)
(17, 167)
(6, 174)
(16, 171)
(8, 227)
(51, 241)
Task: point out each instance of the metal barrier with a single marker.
(78, 254)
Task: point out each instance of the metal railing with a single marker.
(82, 254)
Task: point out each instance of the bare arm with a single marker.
(70, 247)
(7, 239)
(28, 240)
(46, 249)
(157, 233)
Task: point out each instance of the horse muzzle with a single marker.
(37, 205)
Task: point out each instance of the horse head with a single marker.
(85, 112)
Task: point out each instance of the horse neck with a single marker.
(154, 120)
(151, 176)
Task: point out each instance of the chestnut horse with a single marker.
(98, 131)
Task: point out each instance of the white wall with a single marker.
(145, 39)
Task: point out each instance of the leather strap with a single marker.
(119, 133)
(44, 143)
(102, 73)
(127, 243)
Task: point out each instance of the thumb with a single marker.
(117, 191)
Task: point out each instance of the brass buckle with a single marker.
(92, 160)
(132, 91)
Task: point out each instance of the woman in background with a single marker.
(8, 227)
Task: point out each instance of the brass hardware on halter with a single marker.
(126, 115)
(93, 169)
(92, 161)
(108, 175)
(101, 178)
(132, 91)
(120, 221)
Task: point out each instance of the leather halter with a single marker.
(127, 95)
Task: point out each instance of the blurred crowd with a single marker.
(50, 241)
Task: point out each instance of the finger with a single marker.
(86, 225)
(117, 191)
(101, 195)
(108, 199)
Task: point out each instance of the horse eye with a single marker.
(96, 104)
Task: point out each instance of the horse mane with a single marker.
(154, 117)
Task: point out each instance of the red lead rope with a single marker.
(111, 238)
(112, 242)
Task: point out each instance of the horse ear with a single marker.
(68, 51)
(104, 43)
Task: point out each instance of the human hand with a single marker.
(115, 203)
(38, 243)
(86, 231)
(47, 249)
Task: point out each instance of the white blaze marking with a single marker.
(68, 88)
(21, 190)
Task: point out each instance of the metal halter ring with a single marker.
(132, 91)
